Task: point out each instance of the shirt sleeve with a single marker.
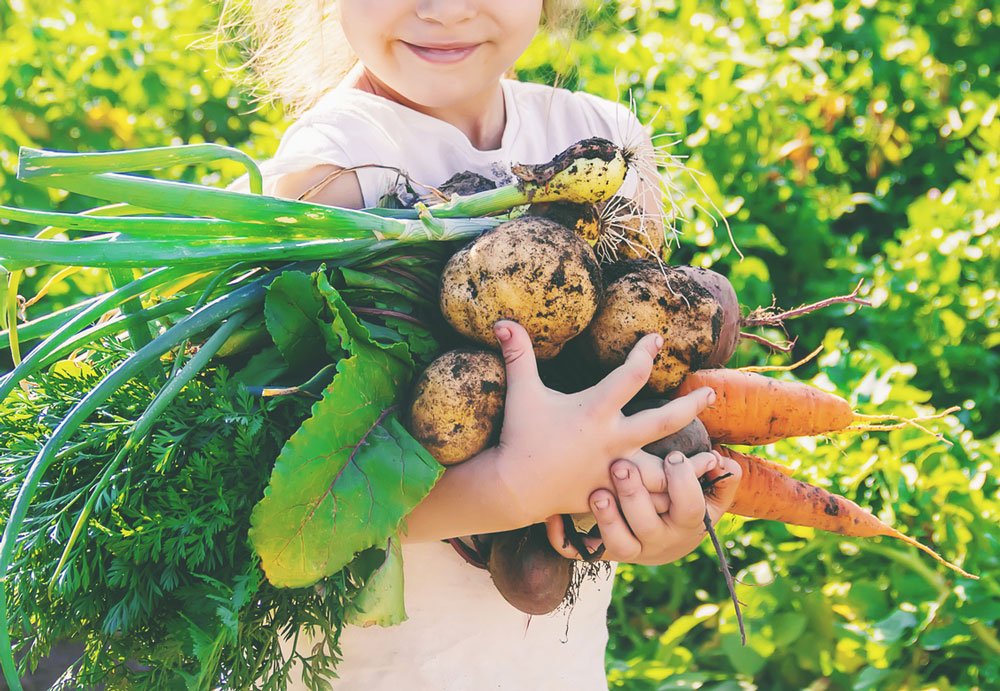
(309, 144)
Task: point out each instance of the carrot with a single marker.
(766, 492)
(753, 409)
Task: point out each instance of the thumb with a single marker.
(518, 355)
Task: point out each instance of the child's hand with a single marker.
(555, 448)
(645, 528)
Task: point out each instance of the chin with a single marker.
(437, 94)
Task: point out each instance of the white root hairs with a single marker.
(616, 220)
(664, 188)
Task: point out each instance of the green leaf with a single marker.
(292, 309)
(893, 627)
(380, 601)
(262, 368)
(788, 627)
(372, 283)
(743, 658)
(347, 329)
(345, 479)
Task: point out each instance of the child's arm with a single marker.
(328, 184)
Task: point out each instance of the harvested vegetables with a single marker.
(174, 445)
(221, 373)
(754, 409)
(527, 572)
(651, 299)
(531, 270)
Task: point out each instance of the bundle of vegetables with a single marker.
(210, 455)
(234, 425)
(698, 314)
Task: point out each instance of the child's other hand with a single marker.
(555, 448)
(647, 528)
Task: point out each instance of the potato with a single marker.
(663, 300)
(527, 572)
(582, 219)
(531, 270)
(457, 405)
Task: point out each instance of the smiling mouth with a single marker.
(442, 54)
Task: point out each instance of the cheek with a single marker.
(365, 24)
(520, 22)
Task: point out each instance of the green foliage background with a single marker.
(844, 142)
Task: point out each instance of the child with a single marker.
(427, 97)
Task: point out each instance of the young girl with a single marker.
(427, 96)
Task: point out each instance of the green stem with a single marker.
(205, 295)
(97, 308)
(471, 206)
(138, 329)
(37, 163)
(13, 280)
(198, 200)
(112, 326)
(46, 324)
(148, 226)
(198, 253)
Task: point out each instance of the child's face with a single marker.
(439, 53)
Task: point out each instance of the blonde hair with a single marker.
(295, 50)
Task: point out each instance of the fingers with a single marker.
(723, 492)
(687, 501)
(653, 424)
(556, 532)
(518, 355)
(651, 475)
(619, 541)
(636, 505)
(625, 381)
(661, 502)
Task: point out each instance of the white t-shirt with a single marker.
(460, 633)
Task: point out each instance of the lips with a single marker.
(442, 53)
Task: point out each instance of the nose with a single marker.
(446, 11)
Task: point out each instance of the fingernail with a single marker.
(711, 397)
(602, 503)
(659, 341)
(503, 333)
(675, 458)
(621, 472)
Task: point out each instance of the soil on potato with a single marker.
(531, 270)
(457, 404)
(657, 299)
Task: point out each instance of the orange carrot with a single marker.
(753, 409)
(765, 492)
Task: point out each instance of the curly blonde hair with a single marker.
(295, 50)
